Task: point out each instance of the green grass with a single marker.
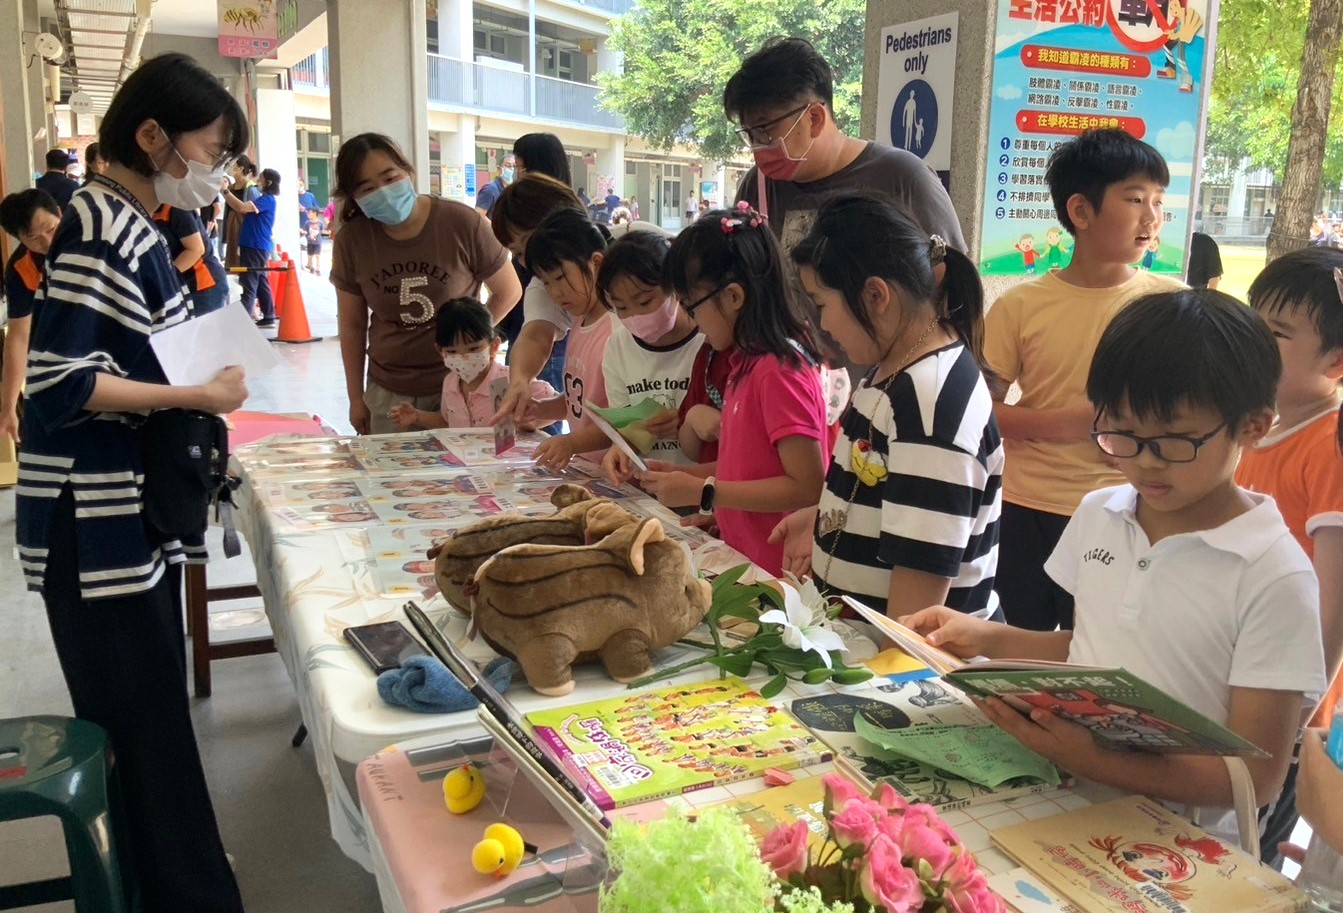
(1239, 267)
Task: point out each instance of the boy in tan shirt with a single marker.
(1107, 189)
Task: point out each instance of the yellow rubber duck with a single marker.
(500, 853)
(463, 789)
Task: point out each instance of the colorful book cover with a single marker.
(653, 744)
(1122, 711)
(763, 811)
(897, 706)
(1134, 856)
(1024, 892)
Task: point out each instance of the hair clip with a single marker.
(937, 249)
(729, 225)
(1338, 282)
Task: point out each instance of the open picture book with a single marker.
(1123, 711)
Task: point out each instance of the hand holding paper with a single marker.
(193, 353)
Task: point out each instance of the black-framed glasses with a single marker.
(761, 135)
(700, 302)
(1170, 448)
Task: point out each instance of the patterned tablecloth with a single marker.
(337, 529)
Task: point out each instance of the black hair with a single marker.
(524, 204)
(784, 70)
(543, 153)
(860, 235)
(270, 179)
(1304, 282)
(1096, 160)
(639, 255)
(57, 160)
(1192, 347)
(17, 210)
(709, 255)
(247, 166)
(567, 235)
(91, 153)
(466, 319)
(180, 96)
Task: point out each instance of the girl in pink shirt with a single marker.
(727, 272)
(565, 253)
(469, 344)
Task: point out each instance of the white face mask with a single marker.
(469, 366)
(199, 186)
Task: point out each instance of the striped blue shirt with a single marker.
(110, 284)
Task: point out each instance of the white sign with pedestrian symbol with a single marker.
(915, 81)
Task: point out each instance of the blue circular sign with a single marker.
(914, 118)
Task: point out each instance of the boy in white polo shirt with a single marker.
(1180, 576)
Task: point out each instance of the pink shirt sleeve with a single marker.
(792, 402)
(542, 390)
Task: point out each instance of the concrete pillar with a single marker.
(379, 75)
(14, 76)
(38, 106)
(276, 124)
(609, 60)
(1235, 205)
(611, 161)
(456, 151)
(455, 22)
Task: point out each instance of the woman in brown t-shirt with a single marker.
(398, 257)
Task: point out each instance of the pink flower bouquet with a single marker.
(881, 855)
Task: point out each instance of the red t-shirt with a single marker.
(708, 380)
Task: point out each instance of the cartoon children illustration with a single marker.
(1182, 25)
(1027, 247)
(1054, 249)
(1163, 866)
(1149, 258)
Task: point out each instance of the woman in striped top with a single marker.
(110, 584)
(909, 515)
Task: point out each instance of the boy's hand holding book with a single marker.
(959, 634)
(1070, 746)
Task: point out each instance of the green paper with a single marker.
(625, 416)
(985, 755)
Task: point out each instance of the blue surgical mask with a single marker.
(508, 175)
(392, 204)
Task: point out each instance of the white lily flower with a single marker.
(800, 629)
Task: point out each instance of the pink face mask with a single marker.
(773, 159)
(653, 325)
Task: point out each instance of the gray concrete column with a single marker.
(379, 74)
(38, 106)
(14, 76)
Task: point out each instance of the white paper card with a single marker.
(194, 351)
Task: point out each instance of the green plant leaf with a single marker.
(774, 686)
(851, 675)
(738, 664)
(816, 676)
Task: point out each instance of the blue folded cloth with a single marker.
(424, 684)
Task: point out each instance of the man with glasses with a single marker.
(783, 100)
(32, 217)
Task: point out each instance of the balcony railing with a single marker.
(311, 72)
(615, 7)
(497, 89)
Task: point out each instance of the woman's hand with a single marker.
(795, 531)
(9, 425)
(360, 417)
(225, 393)
(405, 415)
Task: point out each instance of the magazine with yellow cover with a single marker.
(1133, 855)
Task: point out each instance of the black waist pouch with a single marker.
(184, 453)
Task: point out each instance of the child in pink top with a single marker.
(727, 271)
(565, 253)
(469, 344)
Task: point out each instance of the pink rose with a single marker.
(962, 873)
(889, 799)
(892, 826)
(838, 791)
(975, 897)
(855, 824)
(924, 843)
(885, 881)
(785, 850)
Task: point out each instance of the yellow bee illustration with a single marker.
(868, 465)
(246, 17)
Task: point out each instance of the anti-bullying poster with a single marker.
(1064, 66)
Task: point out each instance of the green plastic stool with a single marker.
(51, 765)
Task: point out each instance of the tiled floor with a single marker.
(267, 795)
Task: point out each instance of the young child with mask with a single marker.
(651, 355)
(469, 345)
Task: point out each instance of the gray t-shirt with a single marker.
(898, 174)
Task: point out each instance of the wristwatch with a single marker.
(706, 497)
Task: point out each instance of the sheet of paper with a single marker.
(506, 432)
(609, 430)
(195, 351)
(981, 754)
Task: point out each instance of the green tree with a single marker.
(680, 53)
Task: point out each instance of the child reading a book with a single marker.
(1298, 462)
(727, 272)
(1181, 577)
(1107, 189)
(469, 344)
(565, 253)
(909, 515)
(651, 353)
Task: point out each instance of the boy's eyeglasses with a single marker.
(760, 134)
(700, 302)
(1170, 448)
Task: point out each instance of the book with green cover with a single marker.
(653, 744)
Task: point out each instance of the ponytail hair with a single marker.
(856, 236)
(725, 246)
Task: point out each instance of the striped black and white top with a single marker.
(930, 486)
(110, 284)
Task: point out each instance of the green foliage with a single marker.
(1255, 74)
(680, 53)
(675, 865)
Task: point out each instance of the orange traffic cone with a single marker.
(294, 321)
(276, 281)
